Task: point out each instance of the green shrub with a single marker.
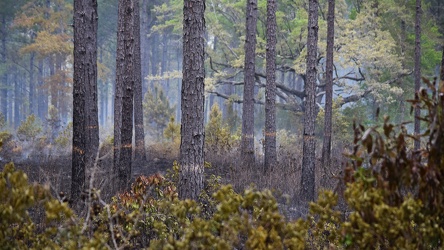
(29, 129)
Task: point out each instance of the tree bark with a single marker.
(270, 91)
(326, 146)
(192, 97)
(123, 109)
(309, 144)
(139, 151)
(32, 103)
(247, 141)
(441, 75)
(85, 114)
(4, 91)
(417, 143)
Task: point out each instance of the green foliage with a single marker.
(172, 131)
(394, 197)
(217, 135)
(341, 126)
(64, 139)
(21, 230)
(157, 111)
(30, 128)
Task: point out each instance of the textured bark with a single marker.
(417, 71)
(192, 97)
(42, 95)
(31, 97)
(85, 114)
(270, 90)
(247, 142)
(123, 104)
(4, 79)
(139, 151)
(309, 144)
(441, 75)
(144, 28)
(326, 146)
(16, 99)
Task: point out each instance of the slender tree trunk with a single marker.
(85, 114)
(417, 71)
(192, 129)
(17, 99)
(441, 75)
(4, 90)
(309, 144)
(32, 103)
(42, 94)
(247, 142)
(326, 146)
(144, 28)
(52, 87)
(139, 152)
(270, 91)
(123, 104)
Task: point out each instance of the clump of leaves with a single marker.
(172, 131)
(30, 128)
(157, 111)
(64, 138)
(59, 229)
(396, 194)
(217, 135)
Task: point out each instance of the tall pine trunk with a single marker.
(139, 151)
(247, 142)
(309, 144)
(192, 98)
(326, 146)
(4, 79)
(270, 91)
(85, 114)
(123, 104)
(417, 71)
(31, 97)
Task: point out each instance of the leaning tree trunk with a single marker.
(85, 114)
(326, 146)
(309, 144)
(123, 104)
(417, 143)
(192, 129)
(247, 142)
(270, 91)
(139, 152)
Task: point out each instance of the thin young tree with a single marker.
(139, 151)
(326, 146)
(270, 91)
(192, 100)
(85, 140)
(123, 101)
(309, 145)
(417, 71)
(247, 140)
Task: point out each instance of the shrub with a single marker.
(29, 129)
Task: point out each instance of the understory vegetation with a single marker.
(388, 197)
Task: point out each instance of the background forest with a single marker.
(372, 129)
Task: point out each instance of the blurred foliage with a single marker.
(217, 135)
(64, 139)
(30, 128)
(172, 131)
(157, 111)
